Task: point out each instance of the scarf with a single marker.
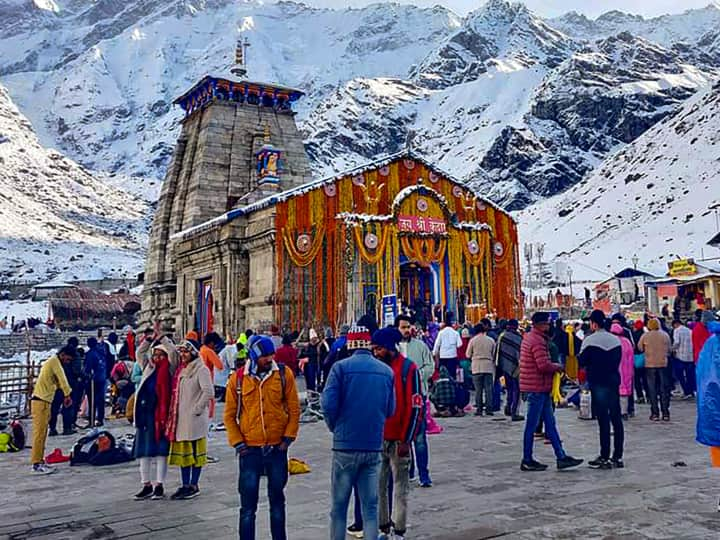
(162, 391)
(174, 404)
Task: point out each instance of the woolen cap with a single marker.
(540, 317)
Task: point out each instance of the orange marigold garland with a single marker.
(304, 259)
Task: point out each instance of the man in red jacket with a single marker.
(400, 431)
(536, 376)
(700, 333)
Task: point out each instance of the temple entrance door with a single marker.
(205, 308)
(416, 288)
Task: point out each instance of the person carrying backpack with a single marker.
(262, 419)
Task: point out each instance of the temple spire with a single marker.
(239, 69)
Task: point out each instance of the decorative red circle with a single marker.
(303, 243)
(371, 241)
(330, 190)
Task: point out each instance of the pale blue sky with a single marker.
(550, 8)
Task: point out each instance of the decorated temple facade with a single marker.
(397, 232)
(244, 237)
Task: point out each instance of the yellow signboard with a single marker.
(682, 267)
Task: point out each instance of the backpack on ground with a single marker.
(18, 437)
(98, 448)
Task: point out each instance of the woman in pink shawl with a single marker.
(627, 369)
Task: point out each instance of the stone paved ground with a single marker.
(479, 491)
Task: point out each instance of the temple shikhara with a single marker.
(244, 236)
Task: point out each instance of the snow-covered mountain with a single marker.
(656, 198)
(57, 219)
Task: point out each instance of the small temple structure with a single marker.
(245, 237)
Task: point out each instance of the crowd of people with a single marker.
(379, 388)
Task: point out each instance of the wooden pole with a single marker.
(30, 371)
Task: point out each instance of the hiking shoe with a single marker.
(618, 463)
(191, 492)
(600, 463)
(568, 462)
(654, 418)
(666, 418)
(145, 493)
(158, 493)
(532, 465)
(355, 531)
(42, 468)
(179, 493)
(518, 418)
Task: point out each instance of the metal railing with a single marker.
(16, 385)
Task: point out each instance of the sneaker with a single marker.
(355, 531)
(191, 492)
(518, 418)
(212, 459)
(618, 463)
(654, 418)
(53, 433)
(158, 493)
(600, 463)
(42, 468)
(568, 462)
(532, 466)
(145, 493)
(99, 423)
(489, 413)
(687, 397)
(666, 418)
(426, 484)
(179, 493)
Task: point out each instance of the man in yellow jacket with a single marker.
(262, 418)
(52, 378)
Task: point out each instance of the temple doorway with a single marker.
(416, 289)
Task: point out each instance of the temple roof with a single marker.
(210, 81)
(314, 184)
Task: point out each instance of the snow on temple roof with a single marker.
(314, 184)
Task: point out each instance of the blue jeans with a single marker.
(359, 469)
(422, 455)
(272, 463)
(606, 404)
(96, 400)
(539, 406)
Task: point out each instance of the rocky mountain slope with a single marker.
(58, 221)
(657, 198)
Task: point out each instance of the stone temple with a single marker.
(244, 236)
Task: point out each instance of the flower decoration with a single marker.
(434, 178)
(457, 191)
(498, 249)
(409, 164)
(480, 205)
(384, 171)
(358, 180)
(422, 204)
(473, 247)
(330, 190)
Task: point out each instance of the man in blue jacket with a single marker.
(357, 400)
(96, 376)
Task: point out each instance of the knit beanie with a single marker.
(639, 325)
(653, 324)
(387, 338)
(358, 337)
(190, 346)
(260, 346)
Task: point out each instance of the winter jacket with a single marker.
(211, 359)
(266, 418)
(481, 351)
(708, 392)
(600, 355)
(536, 369)
(656, 346)
(507, 352)
(627, 367)
(95, 362)
(417, 351)
(195, 390)
(403, 425)
(357, 401)
(52, 378)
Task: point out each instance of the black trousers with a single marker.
(657, 379)
(606, 404)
